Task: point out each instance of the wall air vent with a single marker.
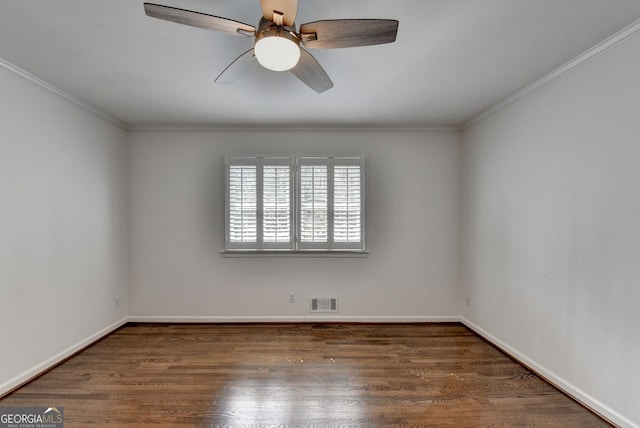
(323, 304)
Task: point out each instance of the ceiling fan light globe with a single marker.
(277, 53)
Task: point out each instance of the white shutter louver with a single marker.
(242, 203)
(347, 203)
(313, 203)
(276, 221)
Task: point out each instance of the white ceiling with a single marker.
(452, 60)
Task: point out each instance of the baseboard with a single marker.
(294, 319)
(571, 390)
(46, 365)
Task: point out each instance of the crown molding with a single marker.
(292, 128)
(619, 37)
(62, 94)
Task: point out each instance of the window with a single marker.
(295, 203)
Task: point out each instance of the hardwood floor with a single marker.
(299, 375)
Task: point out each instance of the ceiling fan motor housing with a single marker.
(267, 28)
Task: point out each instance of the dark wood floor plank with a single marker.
(299, 375)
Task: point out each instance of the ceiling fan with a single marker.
(278, 46)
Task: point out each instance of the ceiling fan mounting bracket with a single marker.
(247, 33)
(278, 18)
(308, 37)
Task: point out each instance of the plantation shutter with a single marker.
(242, 203)
(259, 203)
(348, 198)
(277, 209)
(331, 203)
(314, 204)
(322, 202)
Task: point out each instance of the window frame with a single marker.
(295, 246)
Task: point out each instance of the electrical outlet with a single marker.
(468, 300)
(116, 302)
(292, 297)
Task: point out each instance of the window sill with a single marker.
(288, 253)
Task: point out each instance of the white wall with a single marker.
(63, 247)
(177, 230)
(552, 229)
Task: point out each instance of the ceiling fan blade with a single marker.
(287, 8)
(200, 20)
(311, 73)
(346, 33)
(236, 68)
